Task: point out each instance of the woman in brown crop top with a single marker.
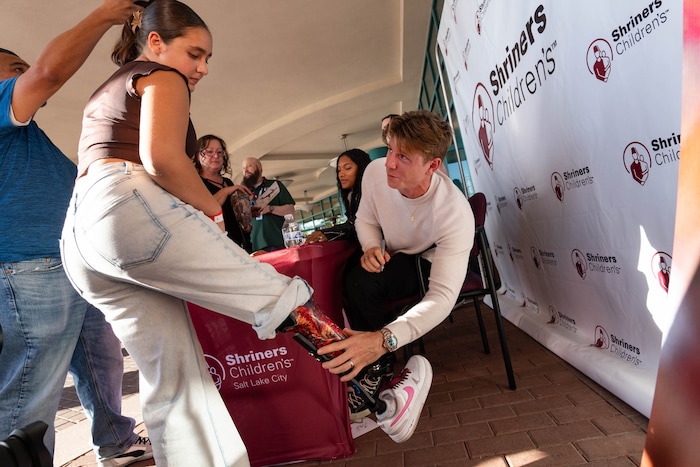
(133, 241)
(133, 244)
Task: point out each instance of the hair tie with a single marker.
(136, 21)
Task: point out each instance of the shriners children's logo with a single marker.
(599, 58)
(637, 161)
(477, 21)
(465, 55)
(557, 182)
(601, 339)
(482, 114)
(580, 263)
(453, 8)
(216, 370)
(661, 267)
(446, 42)
(480, 13)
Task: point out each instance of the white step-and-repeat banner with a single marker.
(570, 117)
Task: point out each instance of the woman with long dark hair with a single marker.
(350, 166)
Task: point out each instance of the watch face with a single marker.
(393, 343)
(390, 342)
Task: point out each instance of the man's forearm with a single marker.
(63, 56)
(282, 210)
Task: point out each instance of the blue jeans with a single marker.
(139, 253)
(97, 368)
(43, 319)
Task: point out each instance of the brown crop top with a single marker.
(112, 115)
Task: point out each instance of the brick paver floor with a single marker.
(556, 417)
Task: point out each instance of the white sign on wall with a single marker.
(570, 117)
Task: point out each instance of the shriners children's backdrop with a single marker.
(570, 117)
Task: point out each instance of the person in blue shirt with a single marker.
(48, 329)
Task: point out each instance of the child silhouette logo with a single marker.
(536, 257)
(557, 182)
(637, 161)
(518, 197)
(482, 114)
(601, 340)
(661, 267)
(580, 263)
(216, 370)
(599, 58)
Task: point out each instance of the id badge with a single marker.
(260, 215)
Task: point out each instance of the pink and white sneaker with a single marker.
(405, 398)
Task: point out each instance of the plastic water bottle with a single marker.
(291, 233)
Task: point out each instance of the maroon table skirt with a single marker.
(285, 406)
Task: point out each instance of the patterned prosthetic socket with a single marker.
(313, 329)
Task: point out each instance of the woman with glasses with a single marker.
(212, 162)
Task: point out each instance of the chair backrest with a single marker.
(477, 201)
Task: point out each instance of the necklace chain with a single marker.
(412, 211)
(221, 183)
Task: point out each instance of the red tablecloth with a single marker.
(285, 406)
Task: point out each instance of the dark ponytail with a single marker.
(126, 50)
(169, 18)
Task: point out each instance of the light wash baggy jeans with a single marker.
(48, 330)
(138, 253)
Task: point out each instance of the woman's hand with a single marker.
(242, 188)
(316, 237)
(223, 194)
(358, 350)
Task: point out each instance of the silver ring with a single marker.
(352, 365)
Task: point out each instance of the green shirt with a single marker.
(267, 232)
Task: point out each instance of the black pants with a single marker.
(366, 294)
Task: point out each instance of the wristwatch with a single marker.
(390, 342)
(272, 208)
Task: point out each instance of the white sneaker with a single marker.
(141, 450)
(405, 399)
